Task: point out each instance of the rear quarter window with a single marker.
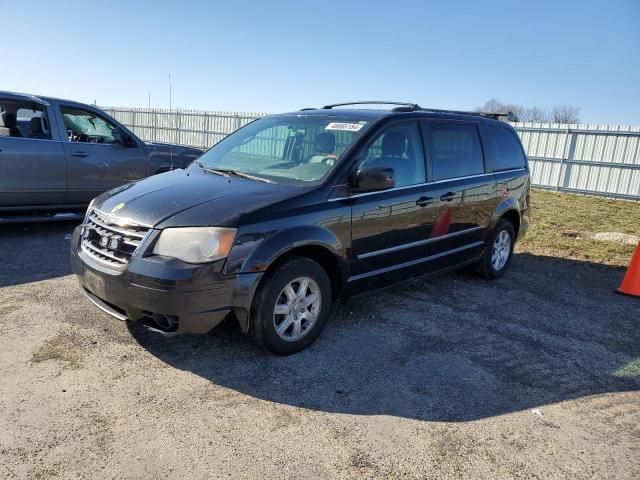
(502, 148)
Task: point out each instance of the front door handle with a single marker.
(424, 201)
(447, 197)
(79, 154)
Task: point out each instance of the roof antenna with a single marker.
(174, 124)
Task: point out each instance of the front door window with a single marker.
(398, 147)
(86, 127)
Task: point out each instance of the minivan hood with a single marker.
(166, 199)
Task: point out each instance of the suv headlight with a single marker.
(195, 244)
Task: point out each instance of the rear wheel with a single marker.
(499, 251)
(291, 306)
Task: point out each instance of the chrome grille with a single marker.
(104, 239)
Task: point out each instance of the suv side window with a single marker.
(503, 148)
(84, 126)
(23, 120)
(400, 148)
(453, 150)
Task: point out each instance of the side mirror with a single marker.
(370, 179)
(127, 141)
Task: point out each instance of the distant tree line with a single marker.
(557, 114)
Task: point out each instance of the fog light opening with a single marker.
(166, 323)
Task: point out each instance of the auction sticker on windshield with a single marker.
(346, 127)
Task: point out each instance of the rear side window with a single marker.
(23, 120)
(502, 148)
(453, 150)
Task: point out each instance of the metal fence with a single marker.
(591, 159)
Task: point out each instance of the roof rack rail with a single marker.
(413, 106)
(495, 115)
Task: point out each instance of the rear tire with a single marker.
(499, 251)
(284, 318)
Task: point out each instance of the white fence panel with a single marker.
(593, 159)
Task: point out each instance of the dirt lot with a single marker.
(536, 375)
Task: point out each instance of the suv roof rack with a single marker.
(414, 107)
(495, 115)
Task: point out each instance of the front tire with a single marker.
(499, 251)
(291, 306)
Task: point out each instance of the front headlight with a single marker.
(89, 207)
(195, 244)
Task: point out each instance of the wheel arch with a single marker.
(512, 216)
(507, 210)
(313, 242)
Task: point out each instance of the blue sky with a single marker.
(278, 56)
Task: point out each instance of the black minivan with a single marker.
(294, 211)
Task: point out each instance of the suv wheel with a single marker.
(497, 256)
(291, 306)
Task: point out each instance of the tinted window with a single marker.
(453, 150)
(398, 147)
(502, 148)
(24, 120)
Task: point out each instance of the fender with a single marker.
(507, 207)
(503, 207)
(256, 255)
(268, 248)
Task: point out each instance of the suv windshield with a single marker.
(294, 149)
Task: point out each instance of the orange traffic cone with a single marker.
(631, 283)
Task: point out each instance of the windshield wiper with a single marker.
(225, 172)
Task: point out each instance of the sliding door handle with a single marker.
(424, 201)
(447, 197)
(79, 154)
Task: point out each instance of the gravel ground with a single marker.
(536, 375)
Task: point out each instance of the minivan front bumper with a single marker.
(166, 294)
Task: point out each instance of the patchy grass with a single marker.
(630, 370)
(563, 225)
(63, 348)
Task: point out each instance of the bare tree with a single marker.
(534, 114)
(559, 113)
(491, 106)
(565, 114)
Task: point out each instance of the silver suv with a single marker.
(56, 155)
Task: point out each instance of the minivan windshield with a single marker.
(292, 149)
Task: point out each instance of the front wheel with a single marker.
(497, 255)
(291, 306)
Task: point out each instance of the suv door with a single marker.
(464, 193)
(100, 154)
(32, 162)
(390, 228)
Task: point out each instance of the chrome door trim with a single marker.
(414, 262)
(417, 244)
